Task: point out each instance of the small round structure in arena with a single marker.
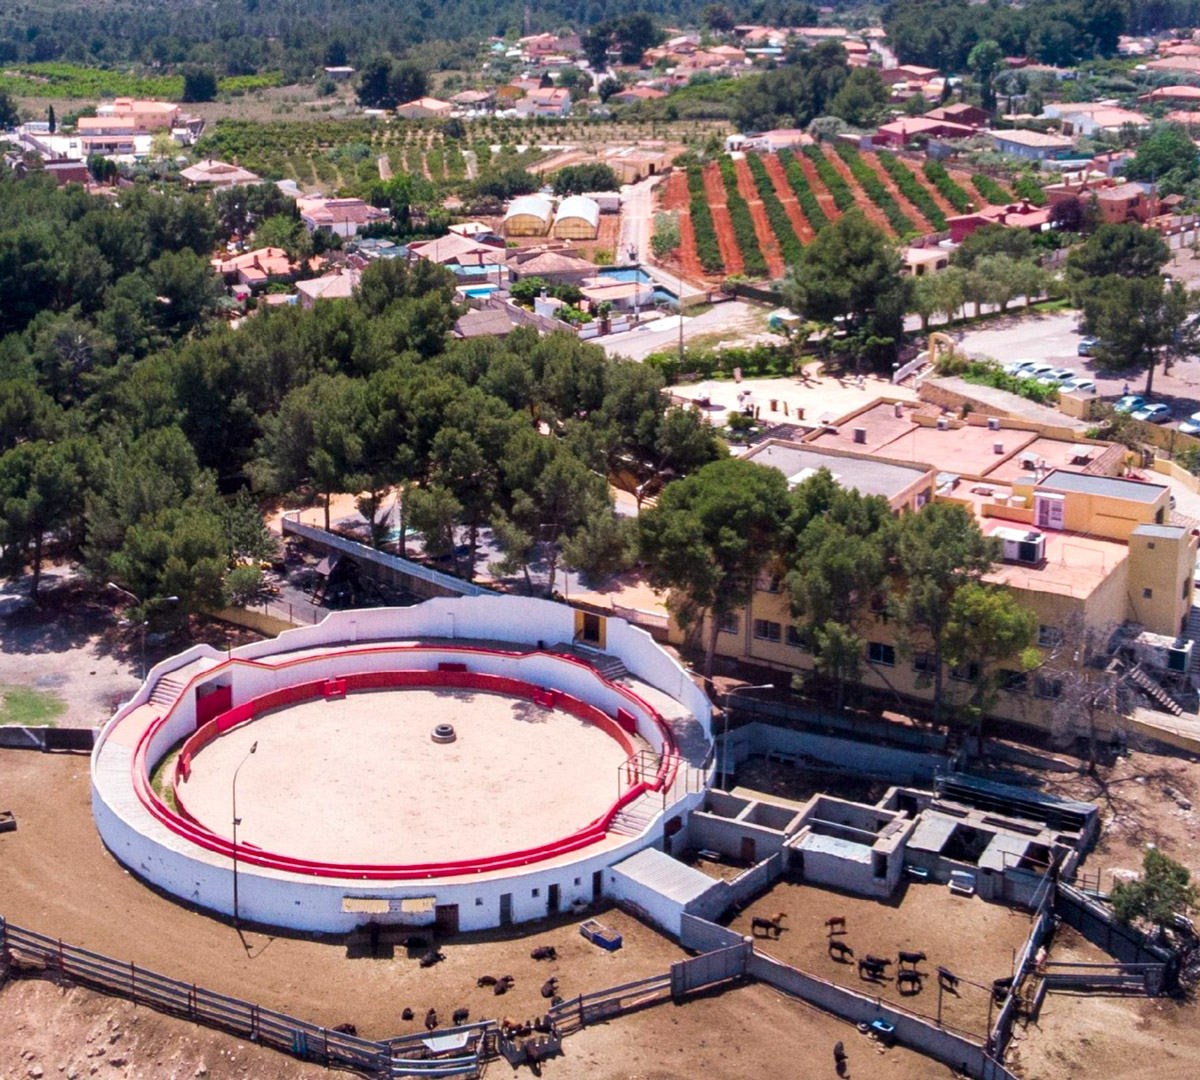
(444, 733)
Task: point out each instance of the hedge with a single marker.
(935, 173)
(805, 196)
(876, 192)
(1026, 187)
(781, 225)
(743, 223)
(843, 196)
(707, 248)
(912, 189)
(989, 190)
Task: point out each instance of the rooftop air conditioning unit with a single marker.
(943, 423)
(860, 434)
(898, 410)
(1179, 656)
(998, 448)
(1022, 547)
(993, 423)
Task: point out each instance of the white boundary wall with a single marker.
(303, 902)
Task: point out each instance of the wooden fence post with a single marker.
(133, 982)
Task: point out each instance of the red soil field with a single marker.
(915, 215)
(943, 203)
(786, 196)
(762, 227)
(874, 215)
(824, 199)
(675, 197)
(722, 225)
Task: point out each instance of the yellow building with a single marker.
(1079, 549)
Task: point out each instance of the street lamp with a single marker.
(725, 735)
(236, 822)
(144, 622)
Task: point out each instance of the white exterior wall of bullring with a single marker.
(305, 902)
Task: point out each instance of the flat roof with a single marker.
(1075, 565)
(1055, 453)
(665, 875)
(866, 475)
(1002, 844)
(932, 831)
(835, 846)
(1161, 532)
(1111, 486)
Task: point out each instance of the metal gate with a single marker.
(709, 968)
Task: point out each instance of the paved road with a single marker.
(738, 322)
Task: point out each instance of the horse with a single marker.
(844, 952)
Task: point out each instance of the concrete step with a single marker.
(1139, 676)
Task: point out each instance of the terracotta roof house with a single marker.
(218, 174)
(548, 101)
(343, 217)
(455, 250)
(337, 285)
(962, 113)
(1183, 94)
(1188, 64)
(256, 267)
(68, 172)
(425, 108)
(638, 93)
(485, 322)
(472, 99)
(1092, 117)
(901, 132)
(560, 265)
(1021, 215)
(142, 115)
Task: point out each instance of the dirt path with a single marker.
(824, 199)
(675, 197)
(910, 211)
(762, 227)
(804, 231)
(861, 200)
(722, 223)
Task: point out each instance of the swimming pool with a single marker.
(631, 273)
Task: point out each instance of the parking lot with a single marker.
(1054, 338)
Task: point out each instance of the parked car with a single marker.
(1191, 426)
(1153, 414)
(1035, 371)
(1129, 403)
(1058, 375)
(1087, 345)
(1015, 367)
(1080, 383)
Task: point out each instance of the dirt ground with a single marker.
(360, 779)
(59, 880)
(974, 939)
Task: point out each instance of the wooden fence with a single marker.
(26, 950)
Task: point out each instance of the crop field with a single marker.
(60, 80)
(753, 215)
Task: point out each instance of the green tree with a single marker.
(1141, 322)
(1122, 250)
(666, 238)
(983, 61)
(373, 89)
(988, 626)
(278, 231)
(937, 294)
(718, 17)
(433, 511)
(199, 84)
(838, 551)
(187, 291)
(577, 179)
(607, 88)
(709, 537)
(51, 120)
(939, 550)
(9, 115)
(603, 545)
(407, 81)
(1164, 890)
(1167, 156)
(862, 98)
(42, 487)
(850, 276)
(992, 240)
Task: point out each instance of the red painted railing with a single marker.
(186, 826)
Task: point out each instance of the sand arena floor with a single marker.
(360, 780)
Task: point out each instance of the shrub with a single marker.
(707, 249)
(805, 195)
(935, 173)
(843, 196)
(989, 190)
(912, 189)
(876, 192)
(781, 224)
(743, 222)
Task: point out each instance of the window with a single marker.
(1049, 688)
(1049, 636)
(923, 662)
(765, 630)
(795, 639)
(1149, 545)
(537, 892)
(578, 880)
(768, 582)
(1147, 594)
(1187, 584)
(1015, 682)
(730, 623)
(965, 672)
(479, 901)
(878, 653)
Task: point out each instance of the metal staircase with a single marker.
(1146, 682)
